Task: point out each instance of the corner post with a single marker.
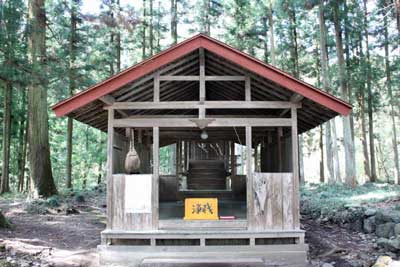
(295, 154)
(155, 180)
(110, 143)
(249, 175)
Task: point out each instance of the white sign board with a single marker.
(138, 193)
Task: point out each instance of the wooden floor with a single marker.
(175, 210)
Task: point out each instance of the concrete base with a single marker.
(257, 256)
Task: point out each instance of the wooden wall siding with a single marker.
(120, 149)
(273, 159)
(273, 206)
(120, 219)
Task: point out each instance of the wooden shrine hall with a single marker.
(233, 194)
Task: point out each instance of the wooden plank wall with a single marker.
(273, 206)
(120, 149)
(120, 220)
(269, 156)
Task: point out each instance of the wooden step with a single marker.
(202, 262)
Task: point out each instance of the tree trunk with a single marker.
(271, 33)
(151, 37)
(174, 21)
(397, 10)
(144, 30)
(208, 24)
(265, 26)
(369, 91)
(350, 160)
(367, 168)
(392, 101)
(39, 152)
(5, 181)
(321, 148)
(296, 73)
(158, 26)
(326, 84)
(71, 76)
(118, 40)
(293, 39)
(335, 152)
(21, 177)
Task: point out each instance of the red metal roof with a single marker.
(252, 64)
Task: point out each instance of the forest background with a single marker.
(52, 49)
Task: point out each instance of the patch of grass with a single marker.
(37, 206)
(341, 203)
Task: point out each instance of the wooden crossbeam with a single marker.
(197, 78)
(205, 105)
(109, 100)
(219, 122)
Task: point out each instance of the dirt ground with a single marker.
(58, 239)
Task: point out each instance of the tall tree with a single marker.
(174, 21)
(10, 18)
(5, 181)
(350, 158)
(151, 28)
(39, 151)
(331, 146)
(144, 26)
(72, 86)
(392, 101)
(370, 96)
(271, 33)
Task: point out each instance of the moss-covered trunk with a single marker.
(39, 151)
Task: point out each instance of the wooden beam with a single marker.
(247, 89)
(225, 78)
(249, 177)
(279, 141)
(202, 86)
(110, 145)
(179, 78)
(109, 100)
(218, 122)
(198, 78)
(155, 181)
(295, 154)
(295, 98)
(156, 91)
(205, 104)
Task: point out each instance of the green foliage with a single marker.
(340, 203)
(241, 23)
(53, 201)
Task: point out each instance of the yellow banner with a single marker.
(201, 209)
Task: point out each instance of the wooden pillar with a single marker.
(295, 154)
(155, 183)
(249, 176)
(247, 88)
(256, 157)
(110, 144)
(185, 155)
(279, 144)
(233, 159)
(202, 85)
(156, 97)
